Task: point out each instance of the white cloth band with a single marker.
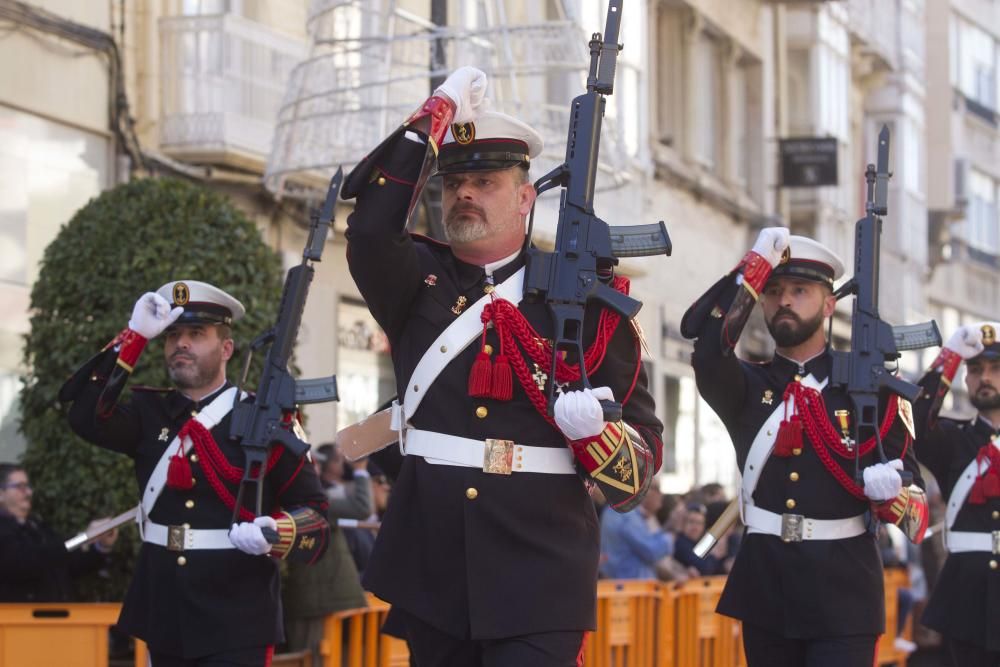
(762, 521)
(193, 538)
(761, 448)
(962, 541)
(211, 415)
(442, 449)
(455, 338)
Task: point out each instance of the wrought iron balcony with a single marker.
(223, 81)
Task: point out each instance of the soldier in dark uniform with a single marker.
(964, 457)
(489, 548)
(807, 582)
(202, 593)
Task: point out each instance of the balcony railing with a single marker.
(223, 81)
(867, 21)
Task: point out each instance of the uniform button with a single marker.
(797, 451)
(794, 476)
(996, 514)
(187, 526)
(481, 412)
(181, 560)
(488, 349)
(471, 493)
(194, 413)
(790, 503)
(381, 180)
(993, 565)
(189, 504)
(194, 458)
(798, 378)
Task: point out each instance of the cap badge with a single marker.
(181, 294)
(786, 255)
(989, 334)
(464, 133)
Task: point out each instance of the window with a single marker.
(365, 379)
(983, 221)
(706, 90)
(669, 412)
(975, 73)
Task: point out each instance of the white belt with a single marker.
(181, 538)
(962, 541)
(796, 528)
(494, 456)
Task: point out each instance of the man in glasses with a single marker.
(34, 564)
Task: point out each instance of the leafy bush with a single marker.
(127, 241)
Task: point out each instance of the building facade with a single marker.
(259, 99)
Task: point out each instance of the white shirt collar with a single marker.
(500, 263)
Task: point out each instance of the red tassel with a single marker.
(179, 476)
(976, 495)
(480, 377)
(789, 437)
(991, 485)
(502, 385)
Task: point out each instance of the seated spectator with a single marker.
(34, 563)
(630, 548)
(694, 529)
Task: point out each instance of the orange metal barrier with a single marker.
(639, 623)
(43, 635)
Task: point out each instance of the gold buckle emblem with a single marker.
(791, 527)
(176, 538)
(498, 456)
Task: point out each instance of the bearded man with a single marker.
(489, 548)
(807, 582)
(964, 457)
(204, 592)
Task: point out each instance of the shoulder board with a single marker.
(420, 238)
(147, 388)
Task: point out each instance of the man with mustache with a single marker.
(807, 581)
(205, 591)
(964, 457)
(489, 547)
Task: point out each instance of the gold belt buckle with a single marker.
(498, 456)
(176, 538)
(791, 527)
(996, 541)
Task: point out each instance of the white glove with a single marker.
(771, 244)
(967, 341)
(466, 87)
(151, 315)
(248, 537)
(882, 480)
(578, 414)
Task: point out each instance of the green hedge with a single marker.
(127, 241)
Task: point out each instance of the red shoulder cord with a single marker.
(824, 437)
(214, 463)
(514, 331)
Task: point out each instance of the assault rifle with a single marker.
(862, 372)
(269, 418)
(586, 246)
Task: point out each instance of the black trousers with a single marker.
(767, 649)
(429, 647)
(964, 654)
(247, 657)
